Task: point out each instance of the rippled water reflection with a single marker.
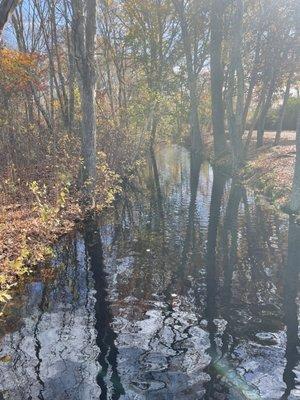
(188, 290)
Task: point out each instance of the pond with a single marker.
(187, 289)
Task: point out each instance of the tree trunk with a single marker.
(84, 26)
(72, 70)
(253, 80)
(88, 130)
(252, 126)
(217, 78)
(282, 110)
(196, 136)
(7, 7)
(264, 112)
(235, 87)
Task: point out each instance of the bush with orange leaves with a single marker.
(18, 70)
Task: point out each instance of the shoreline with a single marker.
(27, 241)
(35, 218)
(269, 171)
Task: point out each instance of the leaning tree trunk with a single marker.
(253, 80)
(84, 27)
(7, 7)
(154, 123)
(282, 110)
(217, 77)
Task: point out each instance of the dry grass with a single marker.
(38, 205)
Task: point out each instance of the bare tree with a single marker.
(84, 29)
(196, 135)
(217, 76)
(236, 84)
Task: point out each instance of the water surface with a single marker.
(188, 289)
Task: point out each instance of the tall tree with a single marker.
(217, 76)
(196, 135)
(236, 84)
(84, 29)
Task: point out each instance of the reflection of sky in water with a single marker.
(53, 353)
(143, 330)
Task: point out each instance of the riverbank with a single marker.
(145, 297)
(269, 170)
(37, 208)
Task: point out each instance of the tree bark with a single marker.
(217, 78)
(264, 112)
(196, 136)
(84, 28)
(235, 86)
(253, 80)
(7, 7)
(252, 125)
(282, 110)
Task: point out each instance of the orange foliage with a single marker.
(17, 70)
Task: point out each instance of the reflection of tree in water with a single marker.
(105, 334)
(211, 276)
(222, 345)
(224, 380)
(157, 186)
(38, 346)
(291, 288)
(151, 340)
(194, 182)
(57, 328)
(230, 258)
(159, 363)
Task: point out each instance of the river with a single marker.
(187, 289)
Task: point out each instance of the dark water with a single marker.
(188, 290)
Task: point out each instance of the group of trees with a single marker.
(113, 75)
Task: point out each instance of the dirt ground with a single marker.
(270, 168)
